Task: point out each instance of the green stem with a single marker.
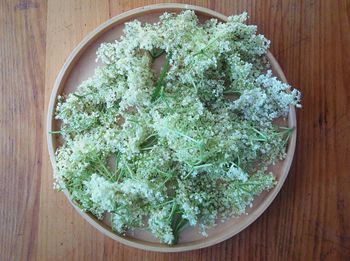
(55, 132)
(128, 167)
(78, 96)
(203, 165)
(173, 209)
(157, 93)
(227, 92)
(156, 54)
(165, 203)
(178, 226)
(189, 173)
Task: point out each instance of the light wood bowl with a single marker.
(81, 64)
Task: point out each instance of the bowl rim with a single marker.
(60, 81)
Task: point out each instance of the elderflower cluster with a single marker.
(185, 146)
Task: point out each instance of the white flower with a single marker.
(237, 173)
(102, 192)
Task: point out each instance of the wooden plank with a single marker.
(22, 63)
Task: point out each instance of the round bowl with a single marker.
(81, 64)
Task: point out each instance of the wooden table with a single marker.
(309, 219)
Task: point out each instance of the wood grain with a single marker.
(22, 74)
(309, 219)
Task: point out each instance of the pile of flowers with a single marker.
(185, 146)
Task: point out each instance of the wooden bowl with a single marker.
(81, 64)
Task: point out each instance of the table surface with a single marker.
(309, 219)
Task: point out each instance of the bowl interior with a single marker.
(81, 65)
